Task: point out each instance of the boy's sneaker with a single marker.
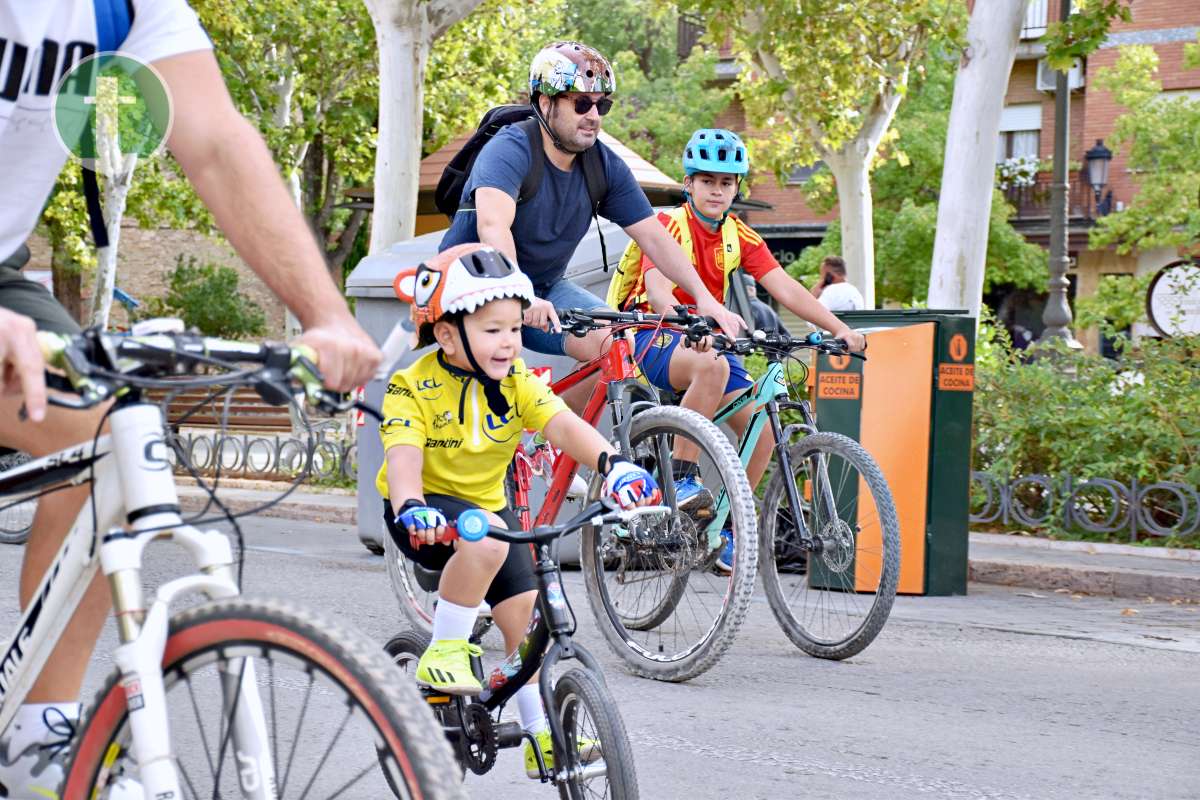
(724, 562)
(692, 498)
(446, 667)
(39, 769)
(589, 751)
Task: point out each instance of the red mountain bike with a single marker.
(653, 587)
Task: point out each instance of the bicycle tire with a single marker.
(407, 741)
(416, 604)
(16, 516)
(630, 633)
(578, 691)
(833, 565)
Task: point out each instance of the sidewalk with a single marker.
(1081, 567)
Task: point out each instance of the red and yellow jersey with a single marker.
(709, 253)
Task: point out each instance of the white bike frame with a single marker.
(135, 502)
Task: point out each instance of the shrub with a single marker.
(206, 297)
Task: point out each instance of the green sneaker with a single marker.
(589, 751)
(446, 667)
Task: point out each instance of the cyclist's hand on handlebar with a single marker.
(728, 321)
(21, 362)
(346, 355)
(702, 345)
(425, 525)
(629, 485)
(855, 341)
(541, 314)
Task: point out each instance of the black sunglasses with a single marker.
(583, 105)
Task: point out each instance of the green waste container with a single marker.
(910, 405)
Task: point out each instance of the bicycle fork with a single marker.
(151, 501)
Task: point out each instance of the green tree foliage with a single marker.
(483, 61)
(304, 73)
(1159, 136)
(1084, 30)
(206, 297)
(906, 184)
(1119, 302)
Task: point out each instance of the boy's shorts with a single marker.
(658, 345)
(516, 574)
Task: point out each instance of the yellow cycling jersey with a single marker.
(467, 447)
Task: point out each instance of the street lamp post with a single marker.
(1097, 159)
(1057, 314)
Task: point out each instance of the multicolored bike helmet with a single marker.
(460, 279)
(570, 67)
(715, 150)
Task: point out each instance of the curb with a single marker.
(1098, 581)
(1093, 548)
(300, 506)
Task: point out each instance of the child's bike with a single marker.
(829, 544)
(232, 697)
(592, 755)
(652, 586)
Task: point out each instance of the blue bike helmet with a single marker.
(715, 150)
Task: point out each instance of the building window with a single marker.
(801, 174)
(1018, 144)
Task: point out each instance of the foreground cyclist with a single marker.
(452, 422)
(714, 163)
(221, 154)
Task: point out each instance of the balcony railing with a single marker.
(1033, 202)
(1036, 14)
(688, 33)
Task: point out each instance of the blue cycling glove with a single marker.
(628, 484)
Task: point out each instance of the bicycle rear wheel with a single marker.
(653, 587)
(416, 601)
(336, 709)
(16, 515)
(832, 601)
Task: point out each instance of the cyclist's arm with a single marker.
(795, 298)
(668, 256)
(660, 292)
(569, 433)
(494, 213)
(404, 464)
(228, 163)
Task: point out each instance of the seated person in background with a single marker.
(452, 422)
(714, 162)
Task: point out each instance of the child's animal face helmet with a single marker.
(459, 281)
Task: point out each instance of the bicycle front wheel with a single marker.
(335, 710)
(832, 591)
(657, 587)
(590, 721)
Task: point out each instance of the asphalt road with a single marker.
(1005, 693)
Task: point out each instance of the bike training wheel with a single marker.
(416, 601)
(16, 515)
(356, 710)
(588, 711)
(653, 587)
(831, 603)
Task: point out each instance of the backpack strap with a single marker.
(596, 181)
(537, 160)
(114, 18)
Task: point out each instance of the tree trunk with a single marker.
(67, 279)
(968, 175)
(403, 55)
(856, 209)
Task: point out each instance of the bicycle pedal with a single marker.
(578, 488)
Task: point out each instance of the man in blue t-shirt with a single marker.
(569, 85)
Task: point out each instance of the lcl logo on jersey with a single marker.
(494, 427)
(429, 388)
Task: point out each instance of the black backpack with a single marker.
(448, 194)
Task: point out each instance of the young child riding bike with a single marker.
(452, 422)
(714, 163)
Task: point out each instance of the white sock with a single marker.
(452, 621)
(29, 725)
(529, 709)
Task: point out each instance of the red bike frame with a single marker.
(618, 364)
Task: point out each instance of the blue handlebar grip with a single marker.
(814, 338)
(473, 524)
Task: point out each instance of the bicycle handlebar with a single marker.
(579, 322)
(472, 524)
(98, 366)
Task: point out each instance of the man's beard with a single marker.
(570, 139)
